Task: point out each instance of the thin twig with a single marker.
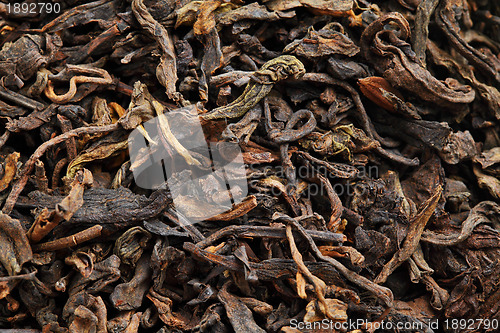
(21, 99)
(383, 293)
(62, 99)
(73, 240)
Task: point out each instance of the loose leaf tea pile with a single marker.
(370, 135)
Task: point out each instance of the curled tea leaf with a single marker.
(15, 249)
(397, 62)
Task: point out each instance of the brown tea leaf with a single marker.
(166, 72)
(491, 183)
(329, 40)
(410, 244)
(10, 169)
(104, 148)
(15, 249)
(46, 221)
(238, 313)
(446, 18)
(396, 62)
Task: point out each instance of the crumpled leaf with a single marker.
(15, 249)
(423, 181)
(205, 22)
(144, 106)
(372, 244)
(420, 271)
(343, 140)
(379, 91)
(10, 169)
(106, 147)
(205, 30)
(335, 306)
(129, 295)
(23, 57)
(475, 296)
(446, 19)
(420, 33)
(140, 108)
(411, 242)
(452, 147)
(488, 158)
(252, 11)
(33, 120)
(104, 273)
(483, 212)
(46, 221)
(164, 307)
(489, 94)
(82, 261)
(166, 72)
(458, 146)
(71, 203)
(187, 14)
(492, 184)
(396, 61)
(86, 313)
(326, 7)
(260, 85)
(321, 7)
(130, 245)
(487, 178)
(331, 39)
(101, 11)
(238, 313)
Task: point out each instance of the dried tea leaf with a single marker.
(333, 8)
(104, 148)
(483, 212)
(329, 40)
(446, 19)
(130, 295)
(46, 221)
(488, 93)
(205, 22)
(205, 30)
(410, 244)
(338, 308)
(396, 61)
(166, 72)
(140, 108)
(238, 313)
(15, 249)
(420, 33)
(9, 170)
(488, 158)
(252, 11)
(23, 57)
(491, 183)
(86, 313)
(131, 244)
(164, 307)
